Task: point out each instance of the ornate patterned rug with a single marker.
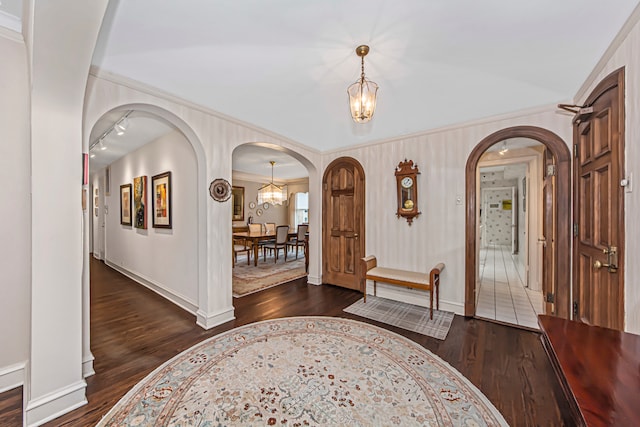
(305, 371)
(248, 279)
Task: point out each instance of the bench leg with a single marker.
(431, 303)
(375, 285)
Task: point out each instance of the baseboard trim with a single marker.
(87, 366)
(159, 289)
(12, 376)
(314, 280)
(53, 405)
(209, 320)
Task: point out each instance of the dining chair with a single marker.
(241, 245)
(270, 227)
(255, 228)
(282, 234)
(300, 238)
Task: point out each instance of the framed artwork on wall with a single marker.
(237, 205)
(125, 204)
(161, 199)
(140, 202)
(107, 181)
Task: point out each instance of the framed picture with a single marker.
(125, 204)
(140, 202)
(237, 204)
(161, 198)
(107, 181)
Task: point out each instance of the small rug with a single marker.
(305, 371)
(406, 316)
(248, 279)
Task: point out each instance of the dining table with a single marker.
(256, 238)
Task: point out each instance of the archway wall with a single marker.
(213, 137)
(623, 52)
(165, 260)
(438, 234)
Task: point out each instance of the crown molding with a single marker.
(11, 27)
(457, 126)
(150, 90)
(622, 35)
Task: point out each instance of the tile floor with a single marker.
(501, 294)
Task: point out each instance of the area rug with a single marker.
(406, 316)
(305, 371)
(248, 279)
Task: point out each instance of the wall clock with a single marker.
(407, 187)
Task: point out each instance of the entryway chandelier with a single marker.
(271, 193)
(362, 94)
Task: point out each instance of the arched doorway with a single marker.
(251, 170)
(200, 245)
(561, 213)
(343, 222)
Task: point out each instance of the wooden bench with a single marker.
(411, 279)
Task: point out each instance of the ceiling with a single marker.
(284, 65)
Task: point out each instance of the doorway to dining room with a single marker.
(263, 260)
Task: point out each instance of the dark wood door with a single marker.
(343, 222)
(548, 232)
(599, 207)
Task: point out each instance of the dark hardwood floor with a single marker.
(133, 330)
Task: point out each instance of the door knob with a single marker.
(597, 264)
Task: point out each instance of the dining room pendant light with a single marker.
(271, 193)
(362, 94)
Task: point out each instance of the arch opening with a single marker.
(561, 213)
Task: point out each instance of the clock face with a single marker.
(407, 182)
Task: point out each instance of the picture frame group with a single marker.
(134, 205)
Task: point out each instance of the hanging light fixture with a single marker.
(362, 94)
(504, 148)
(271, 193)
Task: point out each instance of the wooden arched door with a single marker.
(343, 243)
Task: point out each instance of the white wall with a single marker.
(624, 52)
(438, 235)
(164, 259)
(59, 65)
(15, 233)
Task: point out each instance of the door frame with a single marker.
(562, 213)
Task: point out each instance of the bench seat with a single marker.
(411, 279)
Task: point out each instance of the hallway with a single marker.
(501, 292)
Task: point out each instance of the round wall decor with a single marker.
(259, 212)
(252, 205)
(220, 190)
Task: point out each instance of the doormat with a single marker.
(406, 316)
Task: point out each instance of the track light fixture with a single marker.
(119, 127)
